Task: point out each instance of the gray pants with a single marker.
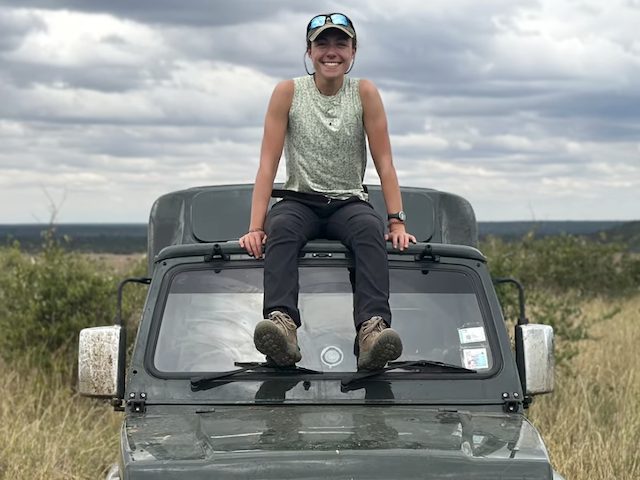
(291, 222)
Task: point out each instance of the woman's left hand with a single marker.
(399, 236)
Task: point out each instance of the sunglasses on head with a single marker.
(335, 18)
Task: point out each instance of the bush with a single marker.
(566, 264)
(46, 299)
(559, 273)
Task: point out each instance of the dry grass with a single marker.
(590, 423)
(119, 264)
(47, 433)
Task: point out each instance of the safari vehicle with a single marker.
(200, 402)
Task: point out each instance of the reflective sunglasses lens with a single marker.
(339, 19)
(317, 22)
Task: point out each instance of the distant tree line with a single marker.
(132, 238)
(117, 239)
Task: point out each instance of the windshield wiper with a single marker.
(412, 364)
(207, 381)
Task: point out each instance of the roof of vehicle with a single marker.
(421, 249)
(220, 213)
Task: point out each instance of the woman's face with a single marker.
(332, 53)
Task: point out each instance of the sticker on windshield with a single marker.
(331, 356)
(475, 358)
(472, 335)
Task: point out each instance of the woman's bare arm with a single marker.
(275, 129)
(375, 123)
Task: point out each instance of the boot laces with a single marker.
(282, 320)
(375, 325)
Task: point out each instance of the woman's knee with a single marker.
(281, 224)
(367, 224)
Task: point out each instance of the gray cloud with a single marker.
(500, 100)
(103, 78)
(615, 104)
(15, 27)
(201, 13)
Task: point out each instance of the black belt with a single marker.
(312, 197)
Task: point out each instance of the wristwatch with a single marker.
(400, 216)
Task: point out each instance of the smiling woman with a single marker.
(322, 122)
(331, 44)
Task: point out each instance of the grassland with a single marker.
(590, 423)
(49, 433)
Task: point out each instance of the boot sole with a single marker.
(270, 341)
(388, 347)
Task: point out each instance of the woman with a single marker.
(322, 122)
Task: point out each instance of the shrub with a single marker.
(566, 264)
(46, 299)
(559, 273)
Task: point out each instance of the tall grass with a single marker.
(48, 432)
(591, 422)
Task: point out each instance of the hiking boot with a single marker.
(276, 338)
(378, 344)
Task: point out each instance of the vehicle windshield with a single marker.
(208, 321)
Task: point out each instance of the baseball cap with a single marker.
(321, 23)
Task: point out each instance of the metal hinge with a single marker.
(118, 404)
(511, 404)
(139, 404)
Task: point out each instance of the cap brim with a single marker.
(316, 32)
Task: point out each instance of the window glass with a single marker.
(209, 319)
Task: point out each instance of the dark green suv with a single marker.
(200, 402)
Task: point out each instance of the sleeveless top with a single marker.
(325, 147)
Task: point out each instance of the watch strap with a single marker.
(398, 216)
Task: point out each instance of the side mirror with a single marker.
(100, 356)
(535, 358)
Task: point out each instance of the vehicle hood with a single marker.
(314, 442)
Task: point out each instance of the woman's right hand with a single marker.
(253, 242)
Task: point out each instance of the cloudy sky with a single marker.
(530, 109)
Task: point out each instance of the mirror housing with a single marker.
(536, 358)
(100, 360)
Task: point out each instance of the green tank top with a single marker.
(325, 147)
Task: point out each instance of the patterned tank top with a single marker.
(325, 146)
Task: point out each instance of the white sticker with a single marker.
(475, 358)
(477, 440)
(331, 356)
(472, 335)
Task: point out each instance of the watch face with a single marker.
(402, 216)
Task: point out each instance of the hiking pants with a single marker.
(291, 222)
